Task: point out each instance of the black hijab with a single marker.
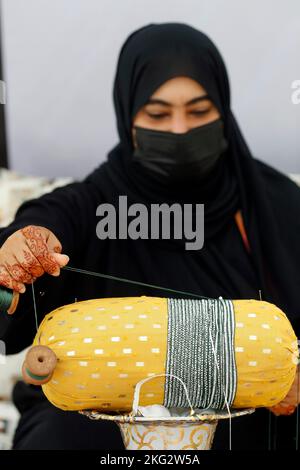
(269, 200)
(151, 56)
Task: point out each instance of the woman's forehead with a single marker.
(180, 89)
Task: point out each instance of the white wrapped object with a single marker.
(154, 411)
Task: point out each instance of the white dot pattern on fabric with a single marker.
(143, 338)
(115, 317)
(149, 395)
(83, 363)
(75, 330)
(51, 338)
(266, 351)
(101, 327)
(239, 325)
(129, 325)
(61, 343)
(88, 318)
(115, 339)
(88, 340)
(253, 337)
(98, 351)
(252, 363)
(128, 307)
(265, 326)
(143, 316)
(157, 325)
(139, 364)
(71, 353)
(278, 340)
(95, 376)
(155, 350)
(127, 350)
(123, 376)
(111, 364)
(239, 349)
(252, 315)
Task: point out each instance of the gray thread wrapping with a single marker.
(195, 329)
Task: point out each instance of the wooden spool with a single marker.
(39, 365)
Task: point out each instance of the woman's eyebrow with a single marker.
(166, 103)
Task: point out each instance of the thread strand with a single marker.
(130, 281)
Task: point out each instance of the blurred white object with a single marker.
(9, 417)
(10, 372)
(16, 188)
(159, 411)
(151, 411)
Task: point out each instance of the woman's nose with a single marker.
(179, 125)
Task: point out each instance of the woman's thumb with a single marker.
(53, 242)
(62, 260)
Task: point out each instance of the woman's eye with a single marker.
(157, 116)
(162, 115)
(200, 113)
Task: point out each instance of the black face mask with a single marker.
(181, 157)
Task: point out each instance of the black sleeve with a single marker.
(67, 212)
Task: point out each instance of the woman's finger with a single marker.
(36, 241)
(53, 243)
(62, 260)
(29, 262)
(283, 409)
(17, 272)
(7, 281)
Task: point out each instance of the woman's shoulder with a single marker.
(283, 195)
(277, 183)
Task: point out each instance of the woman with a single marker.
(179, 142)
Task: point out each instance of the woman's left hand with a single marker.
(289, 404)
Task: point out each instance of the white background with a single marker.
(59, 64)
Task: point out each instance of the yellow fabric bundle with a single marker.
(105, 346)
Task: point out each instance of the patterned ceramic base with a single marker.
(178, 433)
(168, 436)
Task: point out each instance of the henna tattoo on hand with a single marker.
(7, 281)
(39, 248)
(18, 273)
(31, 264)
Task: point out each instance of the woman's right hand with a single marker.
(27, 254)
